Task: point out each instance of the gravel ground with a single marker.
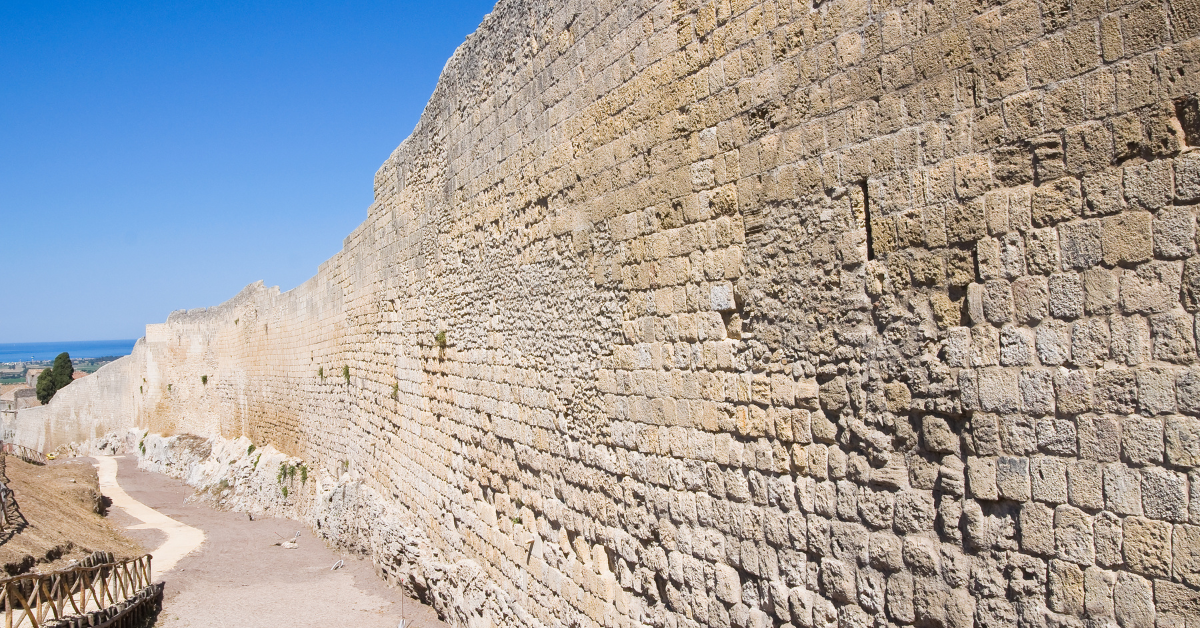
(238, 577)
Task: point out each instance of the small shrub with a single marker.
(396, 392)
(142, 446)
(141, 391)
(346, 373)
(224, 484)
(169, 387)
(285, 492)
(303, 474)
(204, 379)
(259, 457)
(321, 372)
(250, 449)
(440, 339)
(237, 320)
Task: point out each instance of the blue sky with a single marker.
(160, 155)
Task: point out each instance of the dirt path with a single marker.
(181, 539)
(237, 577)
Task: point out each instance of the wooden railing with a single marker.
(30, 455)
(109, 594)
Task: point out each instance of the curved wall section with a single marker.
(756, 313)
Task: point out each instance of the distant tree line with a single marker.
(55, 378)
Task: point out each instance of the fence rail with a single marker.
(28, 454)
(108, 594)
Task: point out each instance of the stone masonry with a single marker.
(755, 314)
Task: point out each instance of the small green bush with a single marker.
(440, 339)
(204, 379)
(346, 373)
(255, 467)
(396, 391)
(250, 449)
(285, 492)
(321, 372)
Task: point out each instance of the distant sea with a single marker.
(35, 351)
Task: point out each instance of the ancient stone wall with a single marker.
(755, 313)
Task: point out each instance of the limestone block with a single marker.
(1053, 339)
(1116, 390)
(1164, 494)
(1187, 178)
(1098, 593)
(1187, 391)
(1102, 194)
(1042, 247)
(1156, 390)
(1182, 439)
(1057, 201)
(997, 301)
(1066, 586)
(1186, 554)
(1090, 342)
(1133, 601)
(1130, 337)
(1109, 539)
(1073, 391)
(1191, 284)
(1030, 299)
(1066, 296)
(1036, 526)
(1154, 287)
(728, 585)
(1142, 439)
(1149, 185)
(1073, 535)
(1101, 287)
(1173, 338)
(1048, 478)
(1012, 478)
(1016, 346)
(1037, 392)
(998, 390)
(1175, 233)
(1099, 437)
(1122, 489)
(981, 478)
(1147, 546)
(1127, 238)
(1080, 244)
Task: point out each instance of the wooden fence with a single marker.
(110, 595)
(32, 456)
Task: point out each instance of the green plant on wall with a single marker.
(346, 373)
(284, 489)
(440, 339)
(204, 379)
(321, 372)
(396, 392)
(250, 449)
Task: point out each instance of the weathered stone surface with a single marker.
(744, 314)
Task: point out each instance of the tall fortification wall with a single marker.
(747, 313)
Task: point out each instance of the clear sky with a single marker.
(159, 155)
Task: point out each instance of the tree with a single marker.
(63, 371)
(55, 378)
(45, 386)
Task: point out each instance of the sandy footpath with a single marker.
(228, 572)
